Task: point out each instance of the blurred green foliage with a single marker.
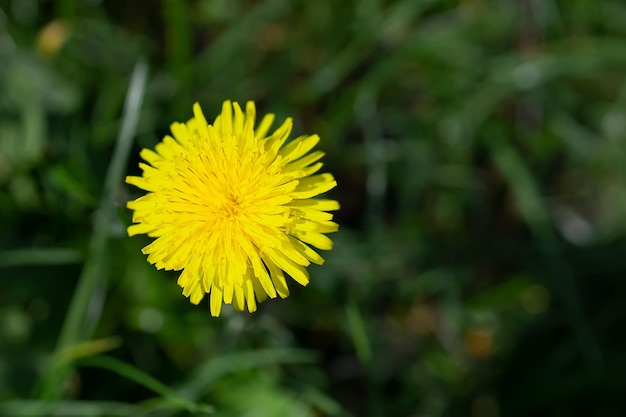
(480, 150)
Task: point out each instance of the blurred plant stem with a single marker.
(40, 256)
(178, 47)
(532, 209)
(178, 38)
(358, 331)
(86, 306)
(376, 156)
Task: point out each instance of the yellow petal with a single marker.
(315, 239)
(216, 301)
(249, 291)
(201, 123)
(298, 147)
(316, 204)
(264, 126)
(315, 185)
(239, 298)
(278, 278)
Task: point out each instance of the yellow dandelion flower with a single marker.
(232, 207)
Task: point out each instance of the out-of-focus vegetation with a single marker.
(480, 149)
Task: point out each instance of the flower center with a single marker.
(231, 205)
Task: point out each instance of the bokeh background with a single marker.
(480, 150)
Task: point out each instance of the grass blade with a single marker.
(86, 305)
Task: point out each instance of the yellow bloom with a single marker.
(232, 207)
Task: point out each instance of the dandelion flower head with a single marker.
(232, 207)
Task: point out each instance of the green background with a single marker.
(480, 151)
